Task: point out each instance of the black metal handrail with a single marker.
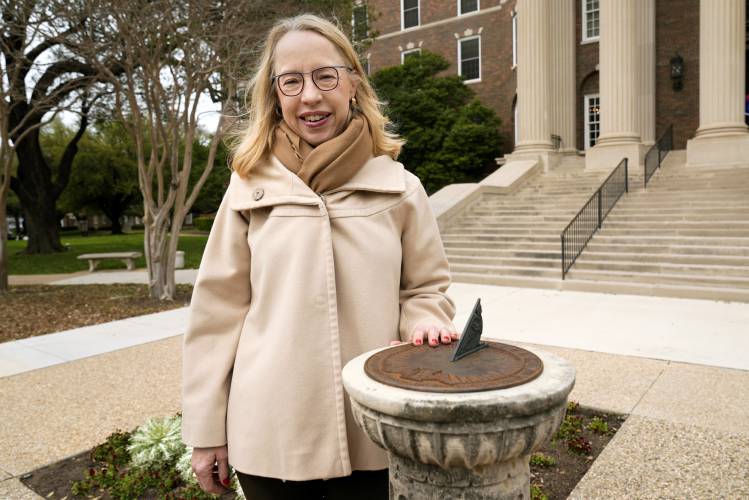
(657, 152)
(589, 219)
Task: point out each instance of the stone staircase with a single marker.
(686, 235)
(514, 239)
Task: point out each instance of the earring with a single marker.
(353, 103)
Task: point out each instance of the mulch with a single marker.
(31, 310)
(556, 482)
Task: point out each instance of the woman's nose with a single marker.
(310, 92)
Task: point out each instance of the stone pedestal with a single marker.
(473, 445)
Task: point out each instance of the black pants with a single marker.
(361, 485)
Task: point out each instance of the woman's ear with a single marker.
(354, 84)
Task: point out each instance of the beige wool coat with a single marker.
(292, 286)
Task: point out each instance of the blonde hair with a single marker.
(255, 141)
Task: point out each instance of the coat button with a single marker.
(258, 194)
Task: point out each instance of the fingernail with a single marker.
(418, 341)
(433, 341)
(225, 482)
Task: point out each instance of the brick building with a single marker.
(538, 64)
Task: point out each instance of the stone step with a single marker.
(507, 257)
(617, 287)
(661, 268)
(616, 239)
(692, 196)
(595, 245)
(607, 275)
(733, 224)
(717, 218)
(661, 278)
(549, 245)
(547, 262)
(514, 270)
(500, 237)
(616, 230)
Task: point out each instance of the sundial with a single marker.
(470, 365)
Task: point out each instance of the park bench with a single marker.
(94, 258)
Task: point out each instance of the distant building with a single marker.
(603, 76)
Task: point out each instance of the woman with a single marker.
(323, 248)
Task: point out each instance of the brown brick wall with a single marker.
(497, 86)
(586, 74)
(677, 29)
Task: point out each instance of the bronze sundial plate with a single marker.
(429, 369)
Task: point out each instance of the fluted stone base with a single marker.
(413, 480)
(474, 445)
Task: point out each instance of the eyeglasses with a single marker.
(326, 78)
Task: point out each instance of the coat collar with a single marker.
(272, 183)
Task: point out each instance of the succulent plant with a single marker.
(156, 442)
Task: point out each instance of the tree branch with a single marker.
(66, 163)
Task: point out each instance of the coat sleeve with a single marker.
(220, 302)
(425, 274)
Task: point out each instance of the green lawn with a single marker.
(67, 262)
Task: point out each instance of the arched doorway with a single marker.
(589, 112)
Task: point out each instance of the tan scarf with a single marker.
(330, 164)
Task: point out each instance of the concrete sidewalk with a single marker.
(676, 366)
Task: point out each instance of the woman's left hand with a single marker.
(435, 335)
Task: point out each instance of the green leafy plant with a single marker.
(450, 136)
(150, 461)
(571, 427)
(537, 493)
(539, 459)
(598, 425)
(573, 407)
(203, 222)
(113, 450)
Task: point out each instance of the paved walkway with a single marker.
(678, 367)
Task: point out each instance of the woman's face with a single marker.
(315, 115)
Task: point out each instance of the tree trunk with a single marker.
(3, 249)
(116, 225)
(36, 192)
(156, 245)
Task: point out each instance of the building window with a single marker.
(359, 23)
(469, 57)
(466, 6)
(409, 53)
(514, 39)
(591, 20)
(410, 13)
(592, 112)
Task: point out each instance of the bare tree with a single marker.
(43, 73)
(172, 53)
(22, 114)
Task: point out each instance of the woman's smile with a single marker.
(315, 119)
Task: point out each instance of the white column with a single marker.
(562, 31)
(722, 137)
(533, 77)
(646, 39)
(619, 64)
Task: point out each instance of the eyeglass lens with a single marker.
(291, 84)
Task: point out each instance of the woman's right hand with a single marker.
(204, 464)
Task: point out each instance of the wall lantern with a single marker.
(677, 72)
